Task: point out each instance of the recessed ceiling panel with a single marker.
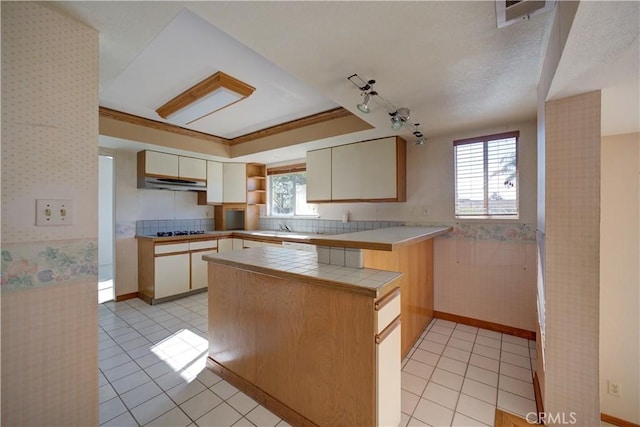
(188, 50)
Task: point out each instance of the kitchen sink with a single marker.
(290, 234)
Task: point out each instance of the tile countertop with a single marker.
(206, 236)
(304, 266)
(383, 239)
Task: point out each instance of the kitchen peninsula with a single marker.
(320, 343)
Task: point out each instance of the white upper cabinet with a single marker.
(192, 168)
(171, 165)
(319, 175)
(234, 179)
(369, 171)
(163, 164)
(346, 172)
(378, 174)
(214, 182)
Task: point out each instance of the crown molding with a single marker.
(333, 114)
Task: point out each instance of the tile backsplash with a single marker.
(151, 227)
(324, 226)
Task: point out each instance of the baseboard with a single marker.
(617, 421)
(505, 419)
(126, 296)
(265, 399)
(522, 333)
(538, 394)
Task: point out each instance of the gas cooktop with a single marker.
(178, 233)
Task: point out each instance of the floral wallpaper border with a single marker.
(125, 229)
(483, 231)
(38, 264)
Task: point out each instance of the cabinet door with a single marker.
(388, 380)
(319, 175)
(346, 171)
(160, 164)
(199, 269)
(237, 244)
(229, 244)
(172, 275)
(214, 182)
(234, 183)
(378, 174)
(192, 168)
(225, 245)
(388, 358)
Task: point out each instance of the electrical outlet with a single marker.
(425, 211)
(614, 389)
(54, 212)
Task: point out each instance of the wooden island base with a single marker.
(313, 354)
(415, 261)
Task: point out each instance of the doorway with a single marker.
(105, 228)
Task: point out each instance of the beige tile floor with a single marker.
(152, 372)
(456, 375)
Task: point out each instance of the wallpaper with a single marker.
(36, 264)
(48, 274)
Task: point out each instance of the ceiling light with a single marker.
(400, 117)
(396, 122)
(214, 93)
(364, 107)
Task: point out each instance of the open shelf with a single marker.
(256, 194)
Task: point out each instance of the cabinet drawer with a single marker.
(205, 244)
(387, 309)
(167, 249)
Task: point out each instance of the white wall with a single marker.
(105, 210)
(620, 275)
(49, 151)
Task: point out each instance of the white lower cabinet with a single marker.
(388, 360)
(199, 269)
(230, 244)
(388, 378)
(198, 266)
(172, 275)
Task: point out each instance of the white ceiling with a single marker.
(188, 50)
(445, 60)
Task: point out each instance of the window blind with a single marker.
(486, 176)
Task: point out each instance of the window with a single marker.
(487, 176)
(288, 192)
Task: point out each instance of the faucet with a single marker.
(283, 227)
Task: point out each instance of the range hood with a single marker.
(174, 184)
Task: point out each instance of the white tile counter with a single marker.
(302, 265)
(384, 239)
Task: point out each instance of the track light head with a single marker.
(396, 122)
(364, 107)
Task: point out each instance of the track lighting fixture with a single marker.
(364, 107)
(400, 117)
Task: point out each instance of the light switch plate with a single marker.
(54, 212)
